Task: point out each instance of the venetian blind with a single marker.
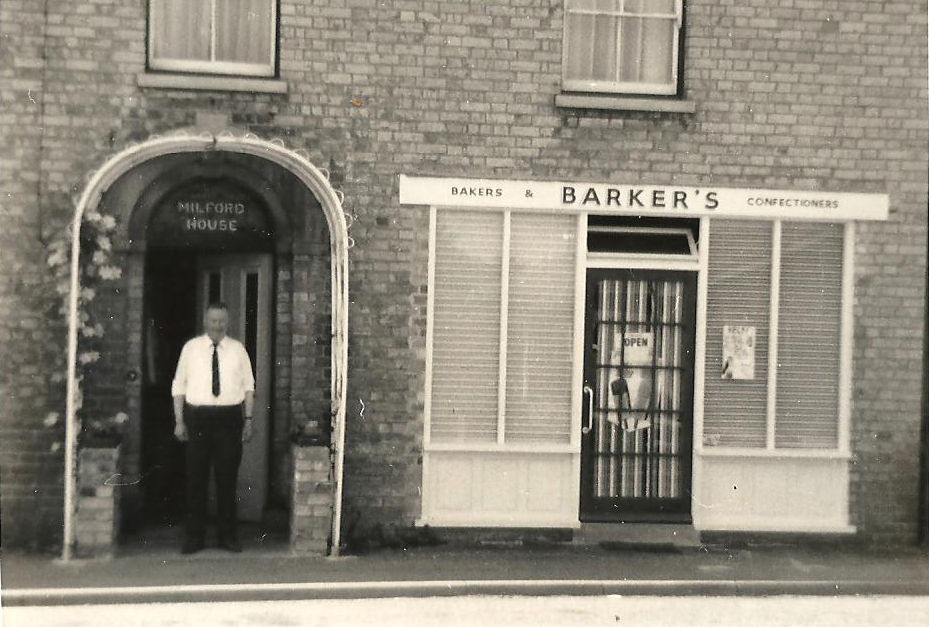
(738, 293)
(466, 326)
(540, 328)
(809, 336)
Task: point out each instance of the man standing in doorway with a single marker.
(214, 392)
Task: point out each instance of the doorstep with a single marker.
(643, 536)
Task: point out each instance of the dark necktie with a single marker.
(215, 369)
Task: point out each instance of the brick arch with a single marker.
(295, 162)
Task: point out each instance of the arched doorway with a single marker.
(253, 239)
(210, 238)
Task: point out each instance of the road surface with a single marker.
(622, 611)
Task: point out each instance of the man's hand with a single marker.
(180, 431)
(247, 431)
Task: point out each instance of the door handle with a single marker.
(586, 422)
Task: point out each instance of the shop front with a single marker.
(623, 353)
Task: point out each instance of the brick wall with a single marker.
(797, 94)
(30, 472)
(97, 515)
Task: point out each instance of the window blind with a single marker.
(738, 293)
(466, 326)
(540, 328)
(810, 318)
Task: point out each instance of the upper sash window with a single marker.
(233, 37)
(622, 46)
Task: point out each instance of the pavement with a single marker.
(160, 574)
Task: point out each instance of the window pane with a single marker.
(540, 328)
(738, 293)
(657, 60)
(809, 336)
(647, 45)
(180, 30)
(632, 242)
(579, 47)
(592, 48)
(243, 30)
(591, 40)
(466, 326)
(604, 48)
(593, 5)
(251, 318)
(650, 6)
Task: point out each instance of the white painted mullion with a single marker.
(773, 317)
(504, 321)
(847, 336)
(580, 296)
(213, 30)
(619, 41)
(273, 35)
(425, 486)
(700, 341)
(676, 43)
(430, 308)
(152, 29)
(564, 43)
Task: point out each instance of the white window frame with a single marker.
(501, 444)
(212, 66)
(625, 87)
(669, 261)
(842, 449)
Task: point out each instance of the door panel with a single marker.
(636, 449)
(243, 282)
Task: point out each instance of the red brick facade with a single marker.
(799, 95)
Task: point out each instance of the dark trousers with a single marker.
(214, 439)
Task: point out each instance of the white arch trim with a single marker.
(297, 163)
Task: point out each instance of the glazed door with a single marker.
(638, 396)
(243, 282)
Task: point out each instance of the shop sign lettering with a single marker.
(632, 197)
(640, 198)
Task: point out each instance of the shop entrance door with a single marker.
(638, 396)
(243, 282)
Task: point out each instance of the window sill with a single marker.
(624, 103)
(212, 83)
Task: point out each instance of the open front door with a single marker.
(638, 401)
(243, 282)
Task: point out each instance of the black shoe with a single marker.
(191, 546)
(232, 546)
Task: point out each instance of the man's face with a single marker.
(217, 320)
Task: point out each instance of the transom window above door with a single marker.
(622, 46)
(232, 37)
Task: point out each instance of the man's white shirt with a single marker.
(194, 376)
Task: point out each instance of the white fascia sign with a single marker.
(642, 200)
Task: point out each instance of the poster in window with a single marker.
(630, 381)
(738, 352)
